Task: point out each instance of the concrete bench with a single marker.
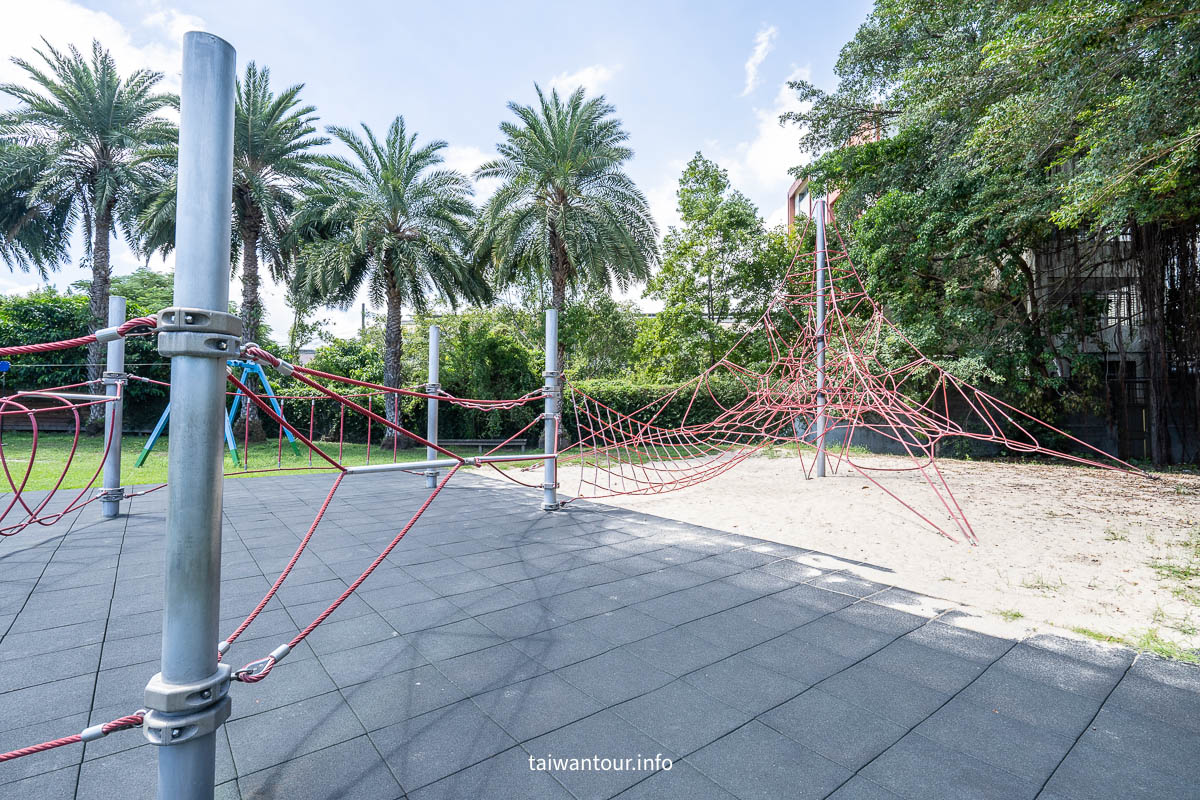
(482, 443)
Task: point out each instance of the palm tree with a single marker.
(565, 211)
(274, 162)
(33, 230)
(396, 223)
(97, 138)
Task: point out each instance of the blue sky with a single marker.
(683, 76)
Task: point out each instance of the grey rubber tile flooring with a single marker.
(497, 633)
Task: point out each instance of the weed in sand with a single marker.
(1039, 583)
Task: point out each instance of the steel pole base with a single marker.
(110, 509)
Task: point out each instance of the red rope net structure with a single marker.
(876, 381)
(31, 419)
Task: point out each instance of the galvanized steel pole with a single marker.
(114, 383)
(822, 266)
(189, 698)
(433, 387)
(553, 408)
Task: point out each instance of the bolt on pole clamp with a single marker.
(182, 711)
(198, 332)
(111, 495)
(168, 729)
(114, 378)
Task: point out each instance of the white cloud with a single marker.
(664, 204)
(154, 43)
(466, 159)
(759, 166)
(763, 41)
(592, 79)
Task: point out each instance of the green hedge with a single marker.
(45, 315)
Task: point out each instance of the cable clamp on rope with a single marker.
(100, 731)
(108, 334)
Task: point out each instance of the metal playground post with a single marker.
(432, 387)
(188, 700)
(553, 393)
(114, 380)
(822, 265)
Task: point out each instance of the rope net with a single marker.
(877, 383)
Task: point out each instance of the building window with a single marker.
(800, 206)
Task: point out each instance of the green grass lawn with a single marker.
(53, 449)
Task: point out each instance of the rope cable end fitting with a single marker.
(111, 334)
(257, 670)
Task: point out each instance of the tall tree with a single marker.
(704, 258)
(565, 211)
(396, 223)
(98, 137)
(1029, 150)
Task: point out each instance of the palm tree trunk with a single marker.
(98, 303)
(251, 318)
(393, 354)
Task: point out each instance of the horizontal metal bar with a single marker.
(444, 463)
(66, 396)
(521, 457)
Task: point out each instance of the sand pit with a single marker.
(1060, 547)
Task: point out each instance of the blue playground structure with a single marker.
(249, 369)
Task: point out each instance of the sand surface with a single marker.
(1062, 546)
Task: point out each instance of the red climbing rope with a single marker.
(95, 732)
(66, 344)
(257, 670)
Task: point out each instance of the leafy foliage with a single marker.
(720, 269)
(565, 212)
